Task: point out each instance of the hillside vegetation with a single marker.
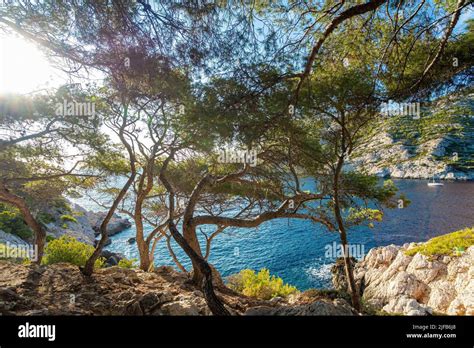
(440, 143)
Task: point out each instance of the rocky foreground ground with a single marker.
(61, 289)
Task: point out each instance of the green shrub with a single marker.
(451, 244)
(68, 218)
(61, 205)
(125, 263)
(68, 249)
(50, 238)
(260, 285)
(45, 218)
(11, 221)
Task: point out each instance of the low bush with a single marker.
(126, 263)
(68, 249)
(11, 221)
(68, 218)
(260, 285)
(452, 244)
(45, 218)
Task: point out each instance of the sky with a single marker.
(24, 68)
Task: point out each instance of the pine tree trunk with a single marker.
(355, 298)
(354, 292)
(38, 231)
(347, 262)
(89, 267)
(214, 303)
(190, 236)
(142, 246)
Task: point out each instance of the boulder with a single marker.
(406, 284)
(116, 224)
(426, 270)
(111, 258)
(407, 306)
(441, 295)
(108, 241)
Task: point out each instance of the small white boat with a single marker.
(434, 183)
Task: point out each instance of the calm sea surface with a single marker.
(296, 250)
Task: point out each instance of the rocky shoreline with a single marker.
(391, 159)
(86, 227)
(439, 145)
(394, 282)
(75, 221)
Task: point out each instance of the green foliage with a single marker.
(126, 263)
(45, 218)
(359, 215)
(11, 221)
(451, 244)
(368, 187)
(68, 249)
(62, 205)
(111, 161)
(260, 285)
(68, 218)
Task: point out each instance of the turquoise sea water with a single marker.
(296, 250)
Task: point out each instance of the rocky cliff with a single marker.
(83, 225)
(73, 220)
(439, 143)
(392, 281)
